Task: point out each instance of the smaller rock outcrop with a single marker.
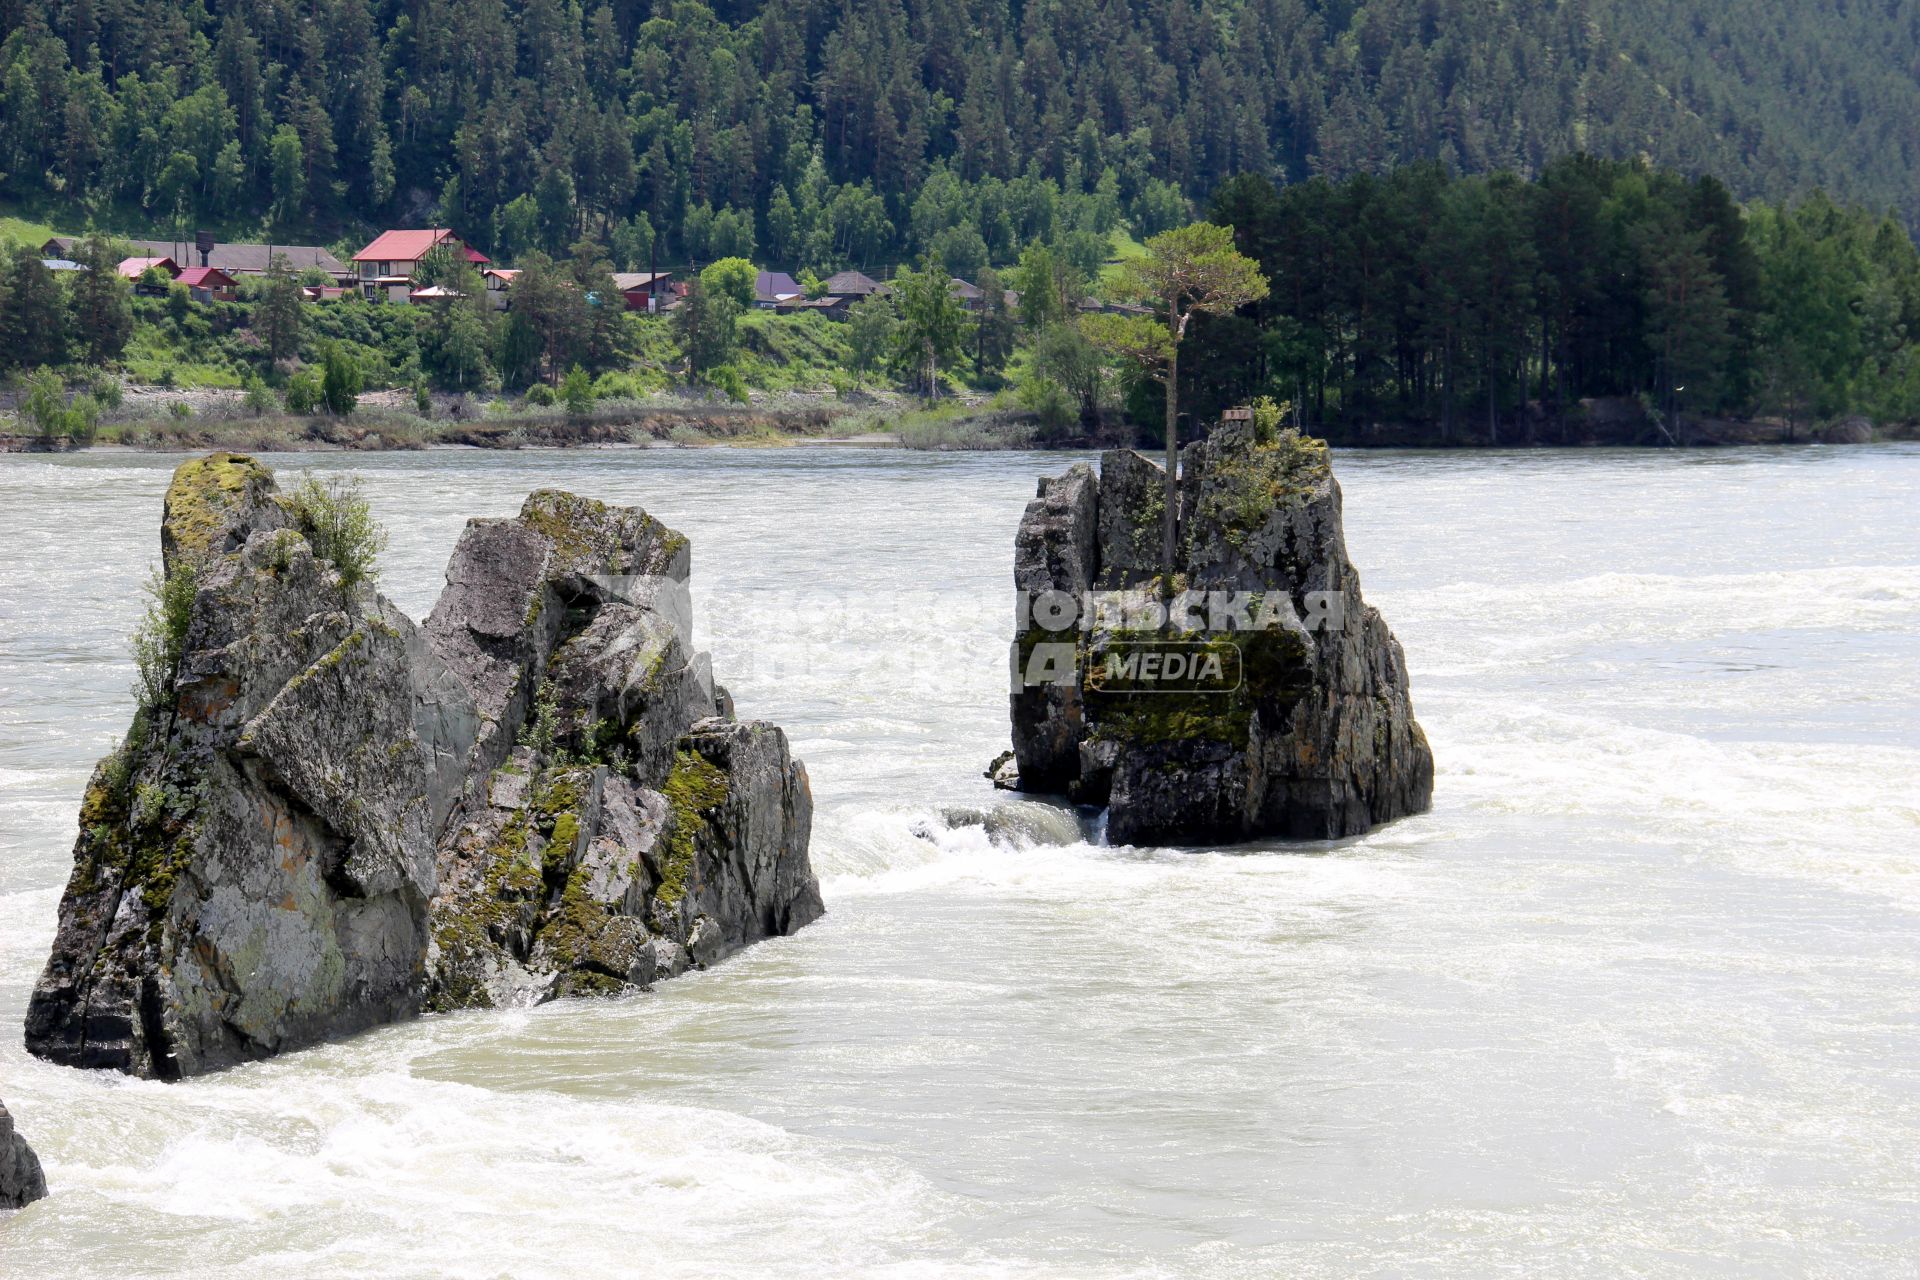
(1257, 694)
(636, 829)
(21, 1180)
(1851, 430)
(326, 817)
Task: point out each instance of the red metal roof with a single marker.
(133, 268)
(411, 246)
(205, 278)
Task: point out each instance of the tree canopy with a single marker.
(828, 133)
(1422, 296)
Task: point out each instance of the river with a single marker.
(1637, 997)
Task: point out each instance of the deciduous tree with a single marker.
(932, 326)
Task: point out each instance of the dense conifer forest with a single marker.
(1477, 217)
(1457, 301)
(827, 133)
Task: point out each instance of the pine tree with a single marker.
(280, 313)
(34, 317)
(102, 302)
(703, 326)
(1189, 271)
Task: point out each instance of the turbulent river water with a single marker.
(1638, 996)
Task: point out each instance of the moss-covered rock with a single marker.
(332, 818)
(214, 503)
(254, 863)
(638, 827)
(1307, 732)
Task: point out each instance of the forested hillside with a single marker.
(824, 133)
(1461, 302)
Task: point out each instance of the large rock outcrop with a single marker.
(283, 850)
(1301, 725)
(21, 1181)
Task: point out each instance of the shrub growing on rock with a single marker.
(160, 636)
(338, 522)
(1267, 417)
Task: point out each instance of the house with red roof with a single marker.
(384, 269)
(208, 284)
(133, 268)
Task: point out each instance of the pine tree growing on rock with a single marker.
(1185, 272)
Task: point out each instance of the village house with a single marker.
(854, 285)
(498, 281)
(801, 302)
(833, 308)
(972, 297)
(209, 284)
(236, 260)
(135, 269)
(771, 288)
(648, 291)
(384, 269)
(1092, 305)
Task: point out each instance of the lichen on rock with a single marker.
(1310, 734)
(646, 809)
(325, 822)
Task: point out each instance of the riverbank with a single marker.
(388, 430)
(387, 422)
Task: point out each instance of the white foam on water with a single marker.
(1634, 999)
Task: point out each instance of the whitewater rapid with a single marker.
(1635, 998)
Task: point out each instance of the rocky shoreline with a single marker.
(326, 817)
